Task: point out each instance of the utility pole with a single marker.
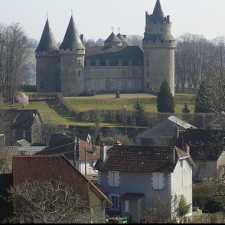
(85, 160)
(125, 121)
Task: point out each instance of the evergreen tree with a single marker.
(165, 100)
(202, 102)
(185, 109)
(183, 207)
(138, 106)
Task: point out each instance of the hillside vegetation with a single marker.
(51, 111)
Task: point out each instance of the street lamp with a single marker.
(3, 140)
(125, 121)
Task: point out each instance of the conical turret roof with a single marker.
(112, 38)
(47, 42)
(124, 40)
(157, 15)
(72, 39)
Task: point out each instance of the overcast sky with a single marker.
(95, 18)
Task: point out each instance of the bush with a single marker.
(183, 207)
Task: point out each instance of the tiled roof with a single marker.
(66, 147)
(204, 144)
(47, 42)
(140, 158)
(52, 167)
(113, 38)
(20, 117)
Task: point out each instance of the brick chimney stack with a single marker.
(187, 148)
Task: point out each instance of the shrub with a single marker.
(183, 207)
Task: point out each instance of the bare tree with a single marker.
(14, 54)
(50, 202)
(135, 40)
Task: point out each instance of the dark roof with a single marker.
(132, 196)
(54, 138)
(140, 158)
(114, 54)
(66, 147)
(21, 117)
(112, 39)
(157, 15)
(125, 42)
(72, 39)
(204, 144)
(47, 42)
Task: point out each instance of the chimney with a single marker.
(176, 132)
(172, 156)
(102, 152)
(117, 142)
(187, 148)
(82, 38)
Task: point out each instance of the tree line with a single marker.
(14, 55)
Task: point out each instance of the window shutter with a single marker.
(110, 179)
(127, 206)
(160, 177)
(116, 179)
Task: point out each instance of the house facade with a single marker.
(25, 124)
(73, 69)
(45, 168)
(134, 176)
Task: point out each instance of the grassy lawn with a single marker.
(49, 109)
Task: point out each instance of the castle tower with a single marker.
(72, 52)
(159, 51)
(47, 63)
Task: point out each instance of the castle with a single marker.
(73, 69)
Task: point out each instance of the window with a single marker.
(127, 208)
(98, 74)
(157, 180)
(107, 73)
(115, 201)
(79, 73)
(120, 73)
(23, 133)
(130, 73)
(42, 84)
(13, 133)
(91, 163)
(113, 179)
(88, 74)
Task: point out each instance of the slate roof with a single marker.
(21, 117)
(125, 42)
(112, 39)
(114, 54)
(204, 144)
(157, 15)
(180, 122)
(140, 159)
(54, 138)
(52, 167)
(47, 42)
(66, 147)
(22, 142)
(72, 38)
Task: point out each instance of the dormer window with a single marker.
(97, 62)
(130, 62)
(139, 62)
(87, 62)
(107, 62)
(120, 63)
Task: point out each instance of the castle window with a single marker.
(120, 63)
(139, 62)
(120, 73)
(130, 62)
(98, 73)
(78, 62)
(130, 73)
(42, 84)
(107, 62)
(87, 62)
(88, 74)
(97, 62)
(107, 73)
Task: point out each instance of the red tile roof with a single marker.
(140, 158)
(52, 167)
